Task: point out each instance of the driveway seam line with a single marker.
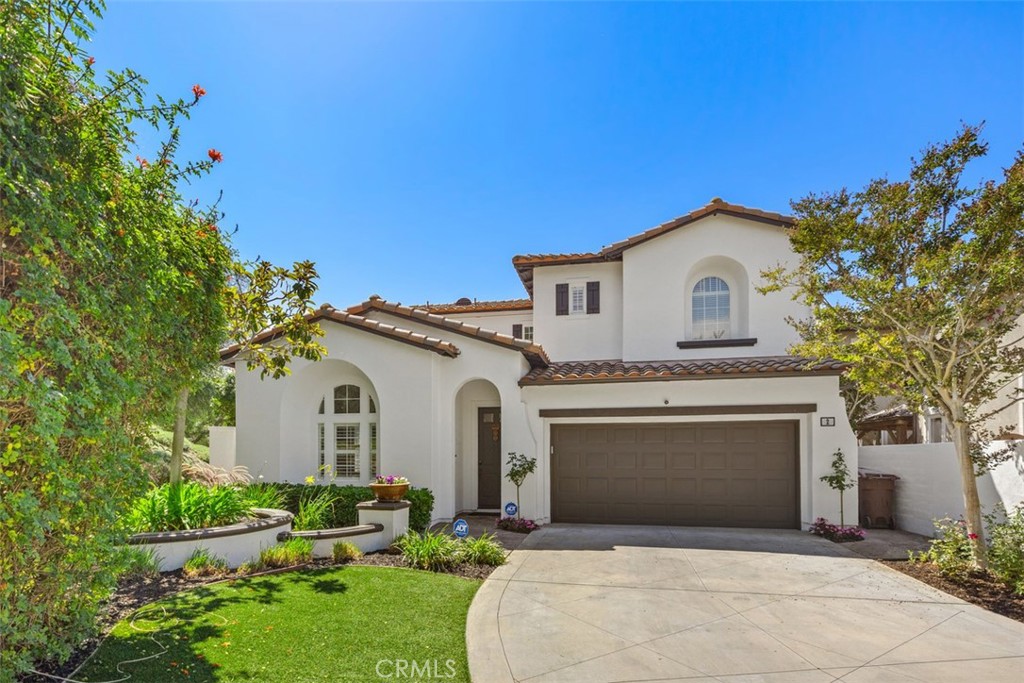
(896, 647)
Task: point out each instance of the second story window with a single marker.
(577, 298)
(711, 308)
(520, 331)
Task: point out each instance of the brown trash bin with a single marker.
(875, 494)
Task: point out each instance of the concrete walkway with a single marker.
(610, 603)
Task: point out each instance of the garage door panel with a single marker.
(743, 461)
(654, 461)
(712, 474)
(624, 461)
(713, 461)
(652, 489)
(682, 434)
(678, 487)
(683, 461)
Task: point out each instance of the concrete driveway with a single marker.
(612, 603)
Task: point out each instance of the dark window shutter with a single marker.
(593, 297)
(562, 299)
(517, 331)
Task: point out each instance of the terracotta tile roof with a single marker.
(524, 264)
(534, 353)
(478, 306)
(582, 372)
(327, 312)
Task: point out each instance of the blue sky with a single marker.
(411, 150)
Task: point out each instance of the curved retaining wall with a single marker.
(366, 537)
(236, 543)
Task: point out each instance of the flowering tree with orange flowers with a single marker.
(114, 293)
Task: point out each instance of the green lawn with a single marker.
(331, 624)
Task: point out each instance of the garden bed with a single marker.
(980, 590)
(135, 593)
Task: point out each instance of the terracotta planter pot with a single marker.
(389, 493)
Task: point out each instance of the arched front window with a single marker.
(347, 433)
(711, 309)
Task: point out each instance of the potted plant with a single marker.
(389, 489)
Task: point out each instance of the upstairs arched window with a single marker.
(347, 433)
(711, 309)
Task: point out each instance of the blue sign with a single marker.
(461, 528)
(511, 509)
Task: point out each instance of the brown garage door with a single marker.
(739, 474)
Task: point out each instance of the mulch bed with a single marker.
(132, 594)
(979, 589)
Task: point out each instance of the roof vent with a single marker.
(464, 301)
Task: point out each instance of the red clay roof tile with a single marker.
(581, 372)
(327, 312)
(478, 306)
(534, 353)
(524, 264)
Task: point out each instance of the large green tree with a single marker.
(115, 293)
(919, 284)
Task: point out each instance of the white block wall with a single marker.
(929, 485)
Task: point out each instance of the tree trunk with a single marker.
(969, 483)
(178, 442)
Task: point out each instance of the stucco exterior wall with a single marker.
(658, 278)
(929, 482)
(817, 443)
(499, 321)
(416, 394)
(595, 336)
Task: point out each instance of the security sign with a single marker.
(511, 509)
(461, 528)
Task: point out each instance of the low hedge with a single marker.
(346, 498)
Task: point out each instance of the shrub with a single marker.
(288, 553)
(950, 550)
(344, 551)
(132, 562)
(484, 550)
(1006, 546)
(263, 496)
(347, 497)
(188, 505)
(836, 533)
(204, 563)
(517, 524)
(429, 550)
(316, 509)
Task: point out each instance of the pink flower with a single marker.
(972, 536)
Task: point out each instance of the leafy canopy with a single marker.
(919, 283)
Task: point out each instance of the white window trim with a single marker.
(325, 435)
(691, 331)
(575, 287)
(528, 332)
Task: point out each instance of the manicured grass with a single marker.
(331, 624)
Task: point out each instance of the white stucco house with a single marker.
(649, 379)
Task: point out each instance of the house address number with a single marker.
(828, 422)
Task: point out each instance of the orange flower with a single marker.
(198, 91)
(90, 61)
(215, 155)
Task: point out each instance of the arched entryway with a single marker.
(478, 451)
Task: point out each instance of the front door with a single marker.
(488, 458)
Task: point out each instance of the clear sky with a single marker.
(412, 149)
